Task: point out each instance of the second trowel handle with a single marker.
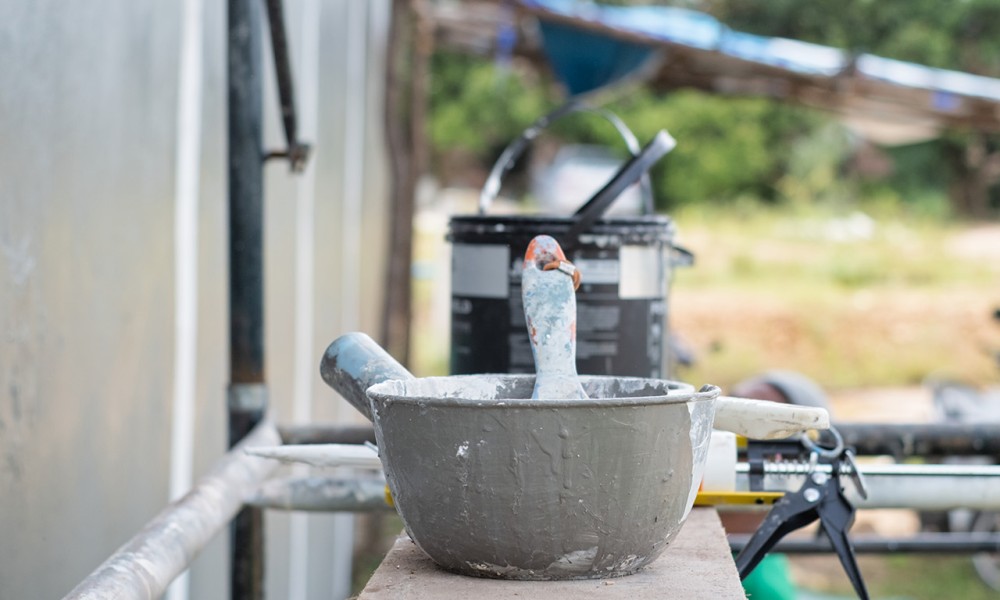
(353, 363)
(763, 420)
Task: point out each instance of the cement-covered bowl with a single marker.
(491, 484)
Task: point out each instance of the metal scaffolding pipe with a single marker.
(327, 434)
(918, 487)
(247, 397)
(165, 547)
(932, 543)
(924, 439)
(323, 494)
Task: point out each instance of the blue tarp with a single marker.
(701, 31)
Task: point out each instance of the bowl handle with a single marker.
(763, 420)
(353, 363)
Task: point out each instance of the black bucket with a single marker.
(622, 308)
(626, 266)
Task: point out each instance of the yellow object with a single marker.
(388, 497)
(737, 498)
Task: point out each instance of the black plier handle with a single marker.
(820, 498)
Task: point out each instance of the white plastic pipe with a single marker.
(917, 487)
(307, 69)
(186, 183)
(930, 487)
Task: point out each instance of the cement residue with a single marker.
(517, 389)
(577, 562)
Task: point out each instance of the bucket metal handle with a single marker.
(516, 148)
(633, 169)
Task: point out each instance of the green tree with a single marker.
(476, 108)
(951, 35)
(736, 147)
(727, 148)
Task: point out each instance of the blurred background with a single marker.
(852, 236)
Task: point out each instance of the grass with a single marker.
(953, 577)
(897, 577)
(839, 252)
(847, 300)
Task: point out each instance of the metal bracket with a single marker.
(297, 152)
(297, 155)
(247, 397)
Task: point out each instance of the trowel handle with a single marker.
(353, 363)
(763, 420)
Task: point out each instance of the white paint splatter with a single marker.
(578, 561)
(463, 450)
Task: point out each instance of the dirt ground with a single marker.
(889, 333)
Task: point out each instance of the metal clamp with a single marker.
(564, 266)
(844, 462)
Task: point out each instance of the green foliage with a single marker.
(477, 108)
(928, 32)
(730, 149)
(923, 577)
(950, 35)
(727, 148)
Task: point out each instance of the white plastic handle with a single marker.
(763, 420)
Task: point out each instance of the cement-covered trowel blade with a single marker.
(548, 289)
(322, 455)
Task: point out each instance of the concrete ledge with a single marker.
(697, 565)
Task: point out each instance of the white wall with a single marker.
(88, 148)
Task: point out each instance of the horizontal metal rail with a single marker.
(918, 487)
(932, 543)
(326, 434)
(166, 546)
(923, 439)
(324, 494)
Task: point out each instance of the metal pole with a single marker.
(283, 70)
(917, 487)
(931, 439)
(934, 543)
(324, 494)
(327, 434)
(146, 564)
(247, 401)
(296, 152)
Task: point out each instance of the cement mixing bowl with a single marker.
(491, 484)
